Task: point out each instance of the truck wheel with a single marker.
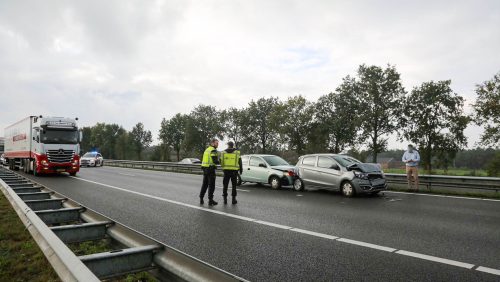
(275, 182)
(34, 169)
(72, 173)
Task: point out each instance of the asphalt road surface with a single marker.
(283, 235)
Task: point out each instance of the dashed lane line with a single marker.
(311, 233)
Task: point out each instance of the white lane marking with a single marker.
(126, 174)
(488, 270)
(443, 196)
(436, 259)
(272, 224)
(312, 233)
(367, 245)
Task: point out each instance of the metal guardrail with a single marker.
(55, 220)
(429, 181)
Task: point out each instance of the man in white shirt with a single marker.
(411, 158)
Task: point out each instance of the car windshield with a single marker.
(90, 155)
(275, 161)
(346, 161)
(55, 136)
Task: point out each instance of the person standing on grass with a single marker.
(411, 158)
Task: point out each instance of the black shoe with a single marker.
(234, 201)
(201, 201)
(225, 200)
(212, 202)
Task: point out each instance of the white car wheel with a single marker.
(298, 185)
(275, 183)
(348, 189)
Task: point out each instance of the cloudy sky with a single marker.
(128, 61)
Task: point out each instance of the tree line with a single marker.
(361, 113)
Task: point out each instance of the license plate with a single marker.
(60, 170)
(377, 182)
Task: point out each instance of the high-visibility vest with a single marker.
(230, 161)
(207, 160)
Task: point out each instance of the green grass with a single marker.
(451, 172)
(20, 257)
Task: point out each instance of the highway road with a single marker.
(283, 235)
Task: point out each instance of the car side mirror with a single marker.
(335, 166)
(262, 165)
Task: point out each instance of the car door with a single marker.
(308, 171)
(255, 173)
(328, 173)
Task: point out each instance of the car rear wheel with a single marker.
(298, 185)
(348, 189)
(275, 182)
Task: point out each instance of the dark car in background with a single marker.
(340, 173)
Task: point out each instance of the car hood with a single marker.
(283, 167)
(88, 159)
(365, 167)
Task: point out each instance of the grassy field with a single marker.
(453, 172)
(20, 257)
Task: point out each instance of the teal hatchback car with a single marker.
(267, 169)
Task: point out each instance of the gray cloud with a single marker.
(129, 61)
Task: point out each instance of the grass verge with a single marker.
(20, 257)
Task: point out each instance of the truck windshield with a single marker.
(275, 160)
(55, 136)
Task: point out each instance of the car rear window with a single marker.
(309, 161)
(325, 162)
(255, 161)
(244, 159)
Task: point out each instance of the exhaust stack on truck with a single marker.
(42, 145)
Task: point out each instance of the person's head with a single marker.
(214, 142)
(410, 148)
(230, 144)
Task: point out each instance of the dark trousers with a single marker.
(208, 182)
(229, 175)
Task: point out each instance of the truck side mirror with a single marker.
(80, 136)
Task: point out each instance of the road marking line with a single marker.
(488, 270)
(126, 174)
(436, 259)
(312, 233)
(443, 196)
(272, 224)
(368, 245)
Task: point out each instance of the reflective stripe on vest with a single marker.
(207, 160)
(230, 161)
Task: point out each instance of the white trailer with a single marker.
(43, 145)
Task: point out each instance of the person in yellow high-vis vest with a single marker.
(231, 164)
(209, 164)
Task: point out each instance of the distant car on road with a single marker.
(92, 159)
(339, 172)
(190, 161)
(3, 160)
(267, 169)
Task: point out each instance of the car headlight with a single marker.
(361, 175)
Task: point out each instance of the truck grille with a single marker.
(60, 156)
